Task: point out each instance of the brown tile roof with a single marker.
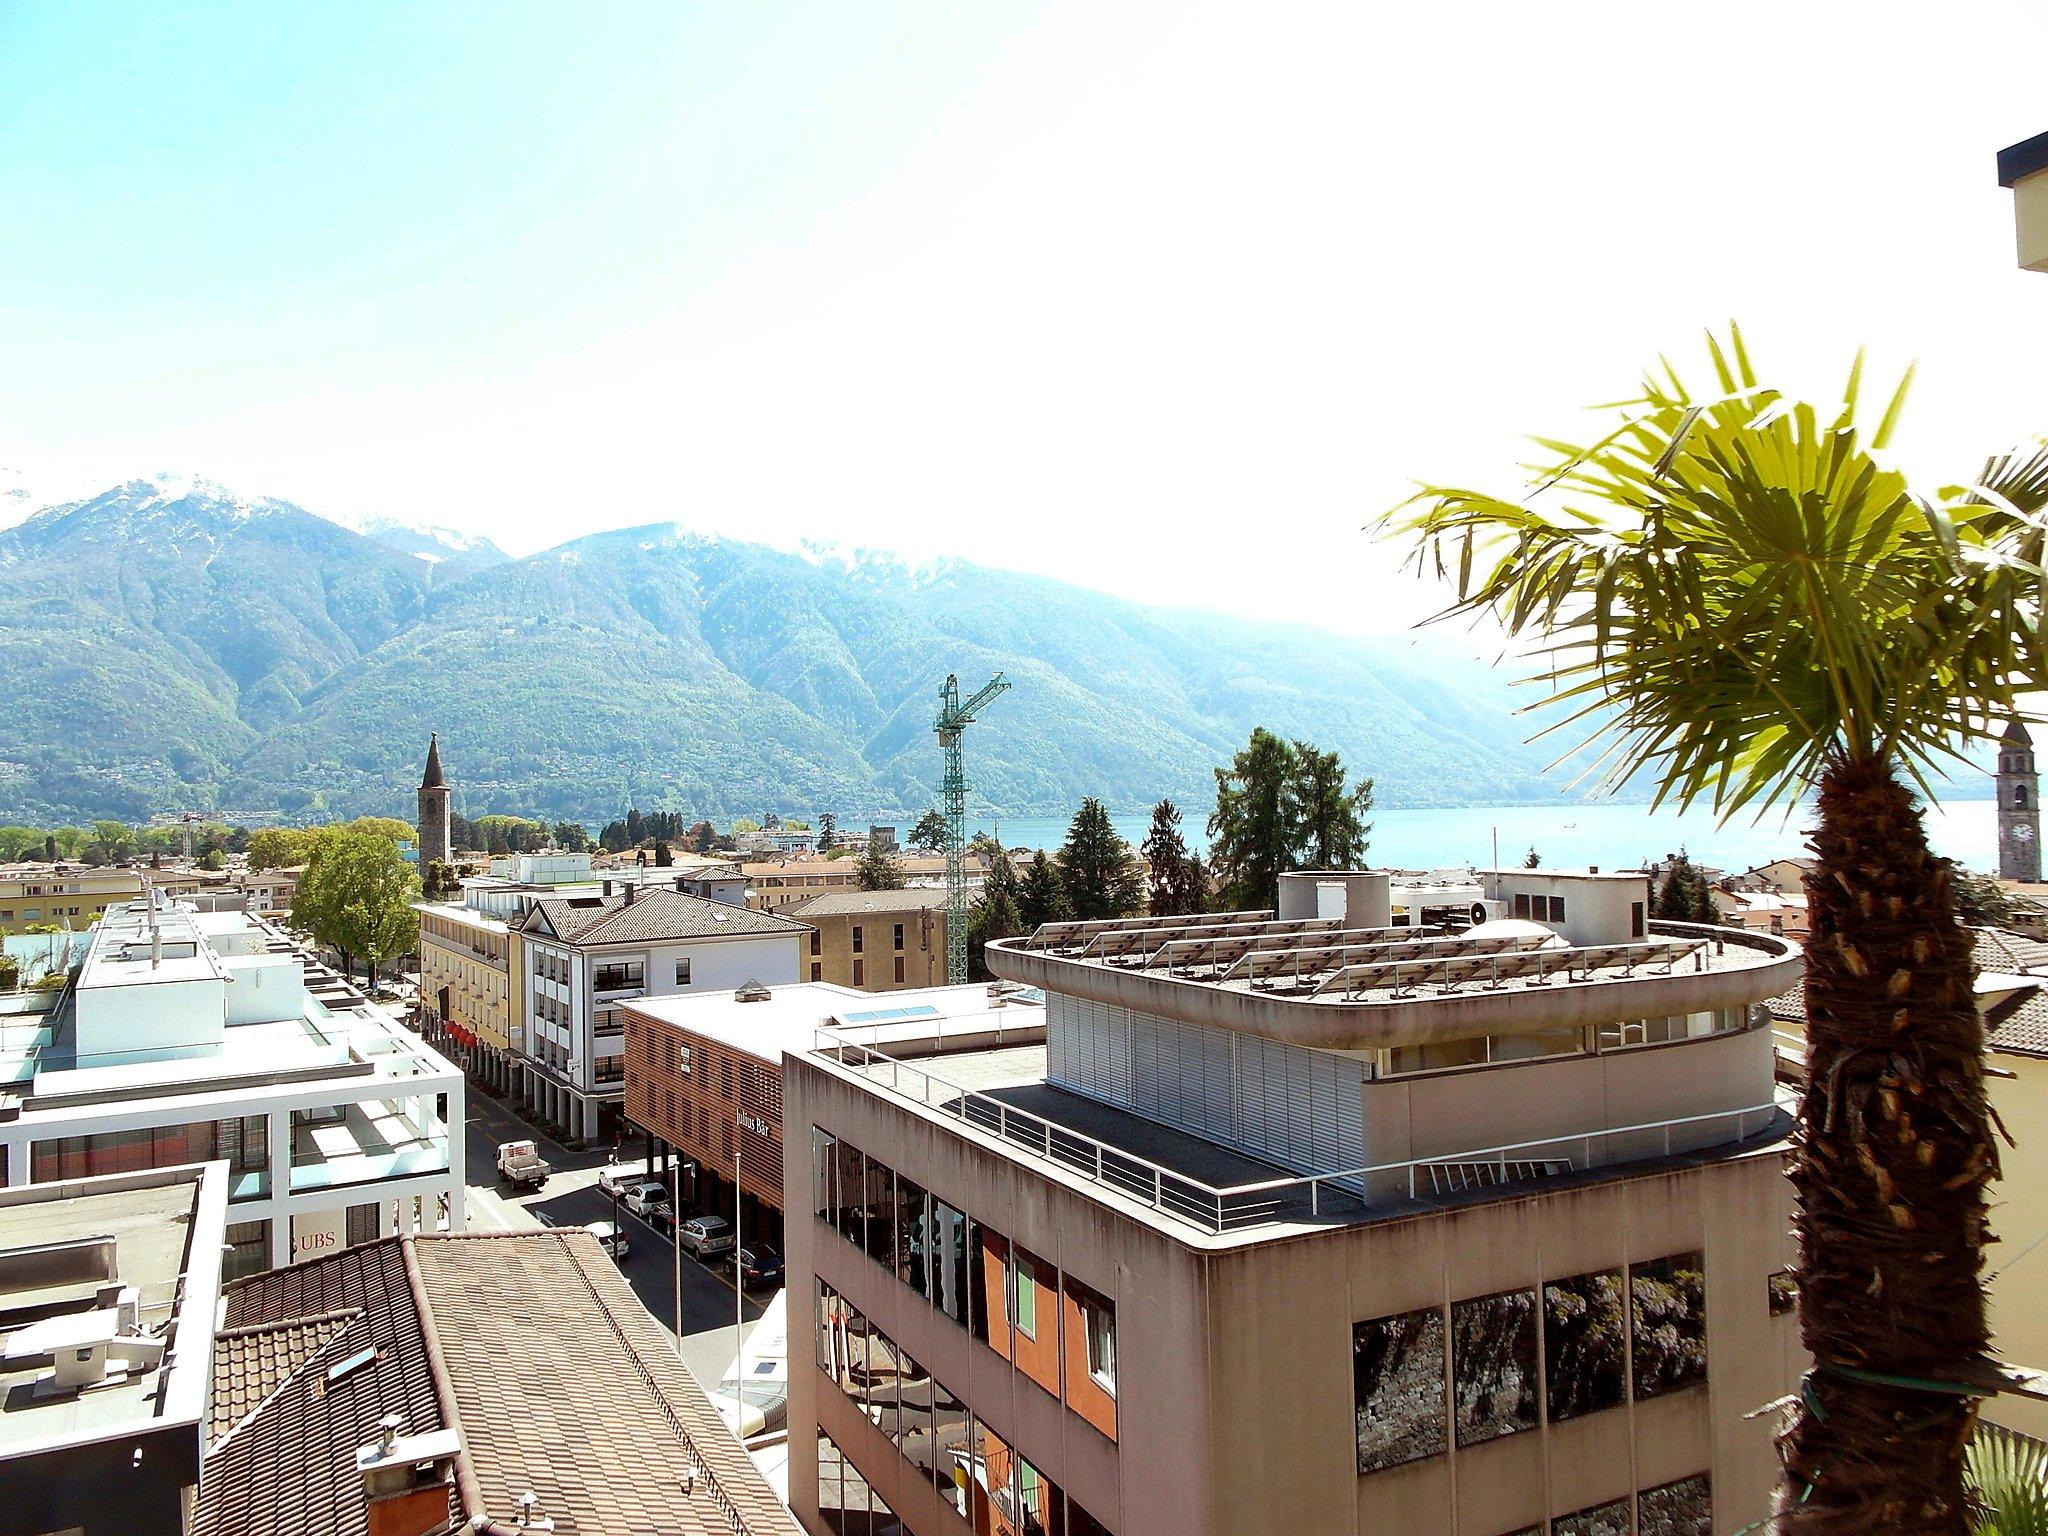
(529, 1343)
(653, 916)
(1998, 949)
(1790, 1005)
(841, 903)
(2023, 1031)
(249, 1364)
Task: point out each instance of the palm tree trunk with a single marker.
(1893, 1151)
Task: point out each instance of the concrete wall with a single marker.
(923, 952)
(1596, 907)
(2019, 1216)
(264, 987)
(144, 1021)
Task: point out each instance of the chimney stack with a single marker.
(605, 889)
(629, 893)
(406, 1479)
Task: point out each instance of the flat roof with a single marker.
(2021, 160)
(164, 1227)
(789, 1018)
(1318, 982)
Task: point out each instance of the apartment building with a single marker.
(1309, 1222)
(774, 885)
(472, 988)
(584, 955)
(108, 1288)
(186, 1037)
(878, 941)
(704, 1073)
(75, 896)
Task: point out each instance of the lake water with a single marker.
(1611, 835)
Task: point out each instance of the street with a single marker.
(571, 1198)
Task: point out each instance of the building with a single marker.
(491, 1384)
(186, 1037)
(2024, 168)
(108, 1288)
(434, 841)
(704, 1072)
(774, 885)
(776, 840)
(879, 941)
(472, 1001)
(1313, 1224)
(2019, 807)
(584, 955)
(70, 896)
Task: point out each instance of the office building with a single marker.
(878, 941)
(1311, 1221)
(108, 1288)
(186, 1037)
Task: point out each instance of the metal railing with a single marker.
(1295, 1196)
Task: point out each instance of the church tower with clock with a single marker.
(2019, 807)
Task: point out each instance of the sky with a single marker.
(1169, 300)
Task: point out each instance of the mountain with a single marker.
(169, 644)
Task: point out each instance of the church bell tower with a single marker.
(434, 843)
(2019, 807)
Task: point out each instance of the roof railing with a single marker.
(1315, 1196)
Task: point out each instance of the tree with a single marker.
(439, 882)
(663, 857)
(1981, 901)
(1330, 818)
(113, 839)
(356, 896)
(1745, 604)
(700, 837)
(1684, 894)
(572, 836)
(10, 973)
(744, 824)
(1095, 866)
(1252, 832)
(879, 868)
(930, 831)
(279, 848)
(1532, 859)
(391, 827)
(1041, 896)
(1171, 887)
(993, 916)
(828, 827)
(212, 859)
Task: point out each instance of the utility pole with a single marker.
(954, 717)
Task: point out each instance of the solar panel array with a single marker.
(1406, 977)
(1070, 937)
(1216, 956)
(1305, 969)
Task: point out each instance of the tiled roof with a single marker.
(1999, 949)
(289, 1468)
(2024, 1031)
(653, 916)
(249, 1364)
(559, 1382)
(1789, 1005)
(841, 903)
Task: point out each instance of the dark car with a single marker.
(759, 1266)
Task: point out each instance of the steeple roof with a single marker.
(433, 779)
(2016, 734)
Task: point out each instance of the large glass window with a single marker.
(1493, 1365)
(882, 1370)
(911, 1217)
(853, 1174)
(1668, 1309)
(1397, 1372)
(1683, 1508)
(1041, 1507)
(949, 1449)
(248, 1249)
(878, 1207)
(953, 1274)
(1584, 1346)
(1600, 1520)
(616, 975)
(846, 1504)
(993, 1491)
(1098, 1328)
(1081, 1523)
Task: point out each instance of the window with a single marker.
(1601, 1520)
(1493, 1366)
(1683, 1508)
(618, 975)
(609, 1069)
(1098, 1327)
(1668, 1324)
(1583, 1344)
(1041, 1507)
(950, 1270)
(856, 938)
(682, 973)
(817, 971)
(899, 970)
(846, 1504)
(899, 936)
(990, 1254)
(859, 972)
(1022, 1303)
(1397, 1376)
(951, 1473)
(911, 1221)
(1783, 1292)
(684, 1059)
(2019, 796)
(852, 1212)
(1635, 919)
(992, 1462)
(817, 942)
(1556, 909)
(248, 1249)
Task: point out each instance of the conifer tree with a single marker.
(1095, 866)
(1177, 882)
(879, 869)
(1041, 897)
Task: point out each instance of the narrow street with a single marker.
(571, 1198)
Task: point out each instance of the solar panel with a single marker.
(1451, 972)
(1079, 931)
(1190, 954)
(1266, 970)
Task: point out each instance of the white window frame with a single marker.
(1092, 1319)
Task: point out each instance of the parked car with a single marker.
(614, 1179)
(705, 1237)
(520, 1164)
(647, 1199)
(759, 1265)
(610, 1239)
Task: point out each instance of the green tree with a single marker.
(992, 916)
(930, 831)
(1981, 900)
(356, 896)
(10, 973)
(279, 847)
(1173, 873)
(1041, 895)
(879, 870)
(1532, 859)
(828, 828)
(1747, 605)
(391, 827)
(1254, 831)
(213, 859)
(1330, 818)
(664, 858)
(1684, 895)
(572, 837)
(113, 839)
(1095, 866)
(745, 824)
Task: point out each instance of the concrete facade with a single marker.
(878, 941)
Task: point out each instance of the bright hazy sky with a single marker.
(1168, 299)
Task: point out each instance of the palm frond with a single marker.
(2008, 1482)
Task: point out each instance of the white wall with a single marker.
(144, 1021)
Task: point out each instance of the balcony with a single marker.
(367, 1142)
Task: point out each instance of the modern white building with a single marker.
(583, 955)
(187, 1037)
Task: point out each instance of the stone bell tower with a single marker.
(434, 843)
(2019, 807)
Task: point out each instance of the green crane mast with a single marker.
(955, 717)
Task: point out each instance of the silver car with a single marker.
(705, 1237)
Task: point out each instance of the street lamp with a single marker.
(2024, 168)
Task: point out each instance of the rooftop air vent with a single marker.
(752, 992)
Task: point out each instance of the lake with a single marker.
(1611, 835)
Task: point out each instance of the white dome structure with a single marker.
(1517, 928)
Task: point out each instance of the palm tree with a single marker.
(1740, 601)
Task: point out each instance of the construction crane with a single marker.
(955, 717)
